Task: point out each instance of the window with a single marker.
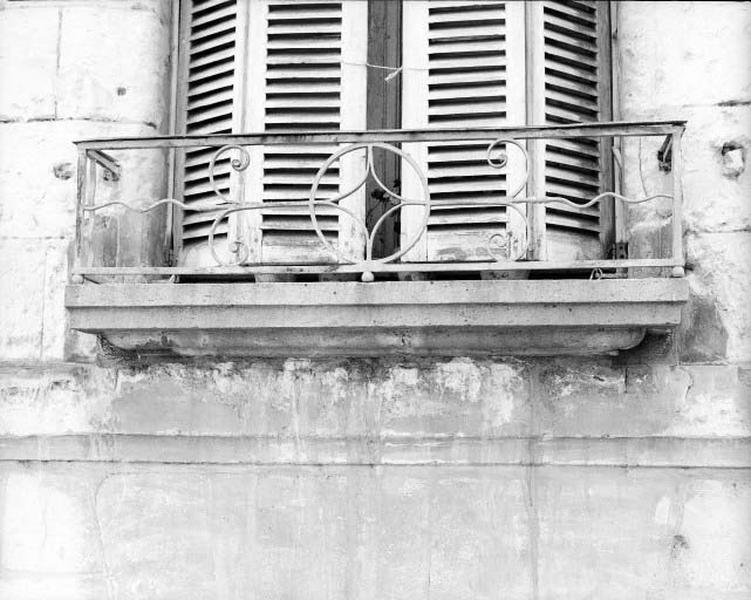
(275, 65)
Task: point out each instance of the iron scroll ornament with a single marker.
(514, 248)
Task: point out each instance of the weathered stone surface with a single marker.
(37, 219)
(642, 401)
(33, 324)
(62, 398)
(21, 315)
(35, 202)
(720, 274)
(361, 532)
(683, 54)
(712, 201)
(301, 399)
(715, 102)
(28, 60)
(309, 400)
(644, 533)
(66, 61)
(98, 79)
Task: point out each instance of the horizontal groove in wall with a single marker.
(625, 452)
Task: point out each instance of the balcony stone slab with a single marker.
(440, 318)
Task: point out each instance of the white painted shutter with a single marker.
(211, 44)
(464, 68)
(571, 41)
(285, 67)
(468, 65)
(307, 73)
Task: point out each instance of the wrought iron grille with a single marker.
(508, 251)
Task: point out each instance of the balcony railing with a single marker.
(113, 193)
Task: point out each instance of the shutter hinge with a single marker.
(619, 250)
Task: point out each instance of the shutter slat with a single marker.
(457, 169)
(570, 190)
(568, 86)
(331, 59)
(441, 62)
(212, 44)
(305, 28)
(306, 15)
(220, 11)
(556, 39)
(462, 78)
(220, 170)
(481, 90)
(479, 184)
(591, 212)
(313, 44)
(214, 113)
(486, 105)
(474, 218)
(200, 187)
(202, 6)
(212, 72)
(568, 221)
(574, 13)
(585, 62)
(326, 75)
(209, 87)
(586, 37)
(219, 55)
(196, 218)
(207, 35)
(221, 95)
(463, 32)
(200, 233)
(579, 148)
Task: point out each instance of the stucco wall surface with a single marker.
(626, 477)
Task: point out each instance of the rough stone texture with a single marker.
(362, 398)
(547, 478)
(63, 71)
(362, 532)
(66, 60)
(705, 81)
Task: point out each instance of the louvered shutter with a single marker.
(297, 67)
(484, 63)
(464, 67)
(211, 49)
(308, 74)
(571, 84)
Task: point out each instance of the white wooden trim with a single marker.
(516, 107)
(414, 115)
(252, 113)
(535, 102)
(353, 111)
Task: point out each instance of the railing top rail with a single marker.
(619, 128)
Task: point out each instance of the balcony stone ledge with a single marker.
(441, 318)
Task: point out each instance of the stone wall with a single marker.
(621, 477)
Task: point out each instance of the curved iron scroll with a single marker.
(502, 245)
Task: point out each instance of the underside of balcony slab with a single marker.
(446, 318)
